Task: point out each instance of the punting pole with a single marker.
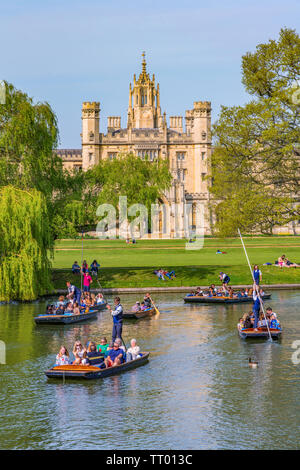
(81, 260)
(260, 299)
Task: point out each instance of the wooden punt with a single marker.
(262, 332)
(221, 300)
(137, 315)
(64, 319)
(93, 372)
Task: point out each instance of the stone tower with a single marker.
(144, 102)
(90, 137)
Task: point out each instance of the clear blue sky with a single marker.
(69, 51)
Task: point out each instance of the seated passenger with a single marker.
(274, 323)
(248, 322)
(136, 307)
(240, 324)
(93, 300)
(94, 357)
(143, 306)
(120, 344)
(62, 357)
(261, 292)
(61, 301)
(134, 351)
(79, 352)
(76, 268)
(100, 299)
(102, 347)
(69, 308)
(262, 322)
(270, 312)
(115, 356)
(60, 310)
(76, 309)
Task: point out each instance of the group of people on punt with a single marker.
(228, 292)
(101, 355)
(249, 320)
(146, 304)
(71, 305)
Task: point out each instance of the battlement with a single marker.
(202, 104)
(91, 105)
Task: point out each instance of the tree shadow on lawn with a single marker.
(141, 277)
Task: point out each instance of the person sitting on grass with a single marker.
(62, 357)
(75, 268)
(115, 356)
(84, 267)
(160, 274)
(94, 268)
(170, 274)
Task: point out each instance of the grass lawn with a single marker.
(125, 265)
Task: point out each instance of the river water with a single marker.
(196, 392)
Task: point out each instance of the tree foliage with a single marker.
(24, 244)
(141, 181)
(255, 164)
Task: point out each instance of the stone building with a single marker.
(186, 147)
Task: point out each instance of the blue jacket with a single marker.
(117, 314)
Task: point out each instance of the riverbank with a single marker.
(183, 290)
(133, 266)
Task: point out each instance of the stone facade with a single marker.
(147, 133)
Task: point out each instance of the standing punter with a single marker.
(257, 275)
(75, 291)
(224, 278)
(117, 315)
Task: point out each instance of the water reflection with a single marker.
(196, 392)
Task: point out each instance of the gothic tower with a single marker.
(90, 115)
(144, 102)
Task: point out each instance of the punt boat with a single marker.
(137, 315)
(221, 300)
(70, 371)
(262, 332)
(65, 319)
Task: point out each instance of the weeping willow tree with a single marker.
(24, 244)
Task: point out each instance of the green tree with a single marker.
(141, 181)
(24, 244)
(255, 163)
